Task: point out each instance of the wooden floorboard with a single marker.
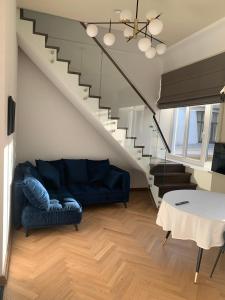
(116, 254)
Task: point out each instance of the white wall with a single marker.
(201, 45)
(8, 80)
(49, 126)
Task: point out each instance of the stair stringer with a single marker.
(34, 47)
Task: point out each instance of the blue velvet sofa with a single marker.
(54, 192)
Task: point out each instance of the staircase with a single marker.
(48, 57)
(168, 177)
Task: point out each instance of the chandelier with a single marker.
(134, 28)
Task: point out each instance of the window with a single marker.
(213, 130)
(194, 132)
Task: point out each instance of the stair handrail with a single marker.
(133, 87)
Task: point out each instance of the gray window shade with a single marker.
(197, 84)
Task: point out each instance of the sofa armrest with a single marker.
(125, 178)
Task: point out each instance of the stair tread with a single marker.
(172, 185)
(168, 163)
(172, 174)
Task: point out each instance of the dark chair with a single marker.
(222, 249)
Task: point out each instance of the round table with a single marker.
(201, 220)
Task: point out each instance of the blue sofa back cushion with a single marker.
(59, 165)
(49, 174)
(97, 170)
(35, 193)
(27, 169)
(76, 170)
(113, 179)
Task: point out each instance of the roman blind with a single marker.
(196, 84)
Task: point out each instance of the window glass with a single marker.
(195, 131)
(213, 130)
(179, 131)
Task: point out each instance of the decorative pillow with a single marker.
(59, 165)
(49, 174)
(29, 170)
(35, 193)
(113, 179)
(97, 170)
(76, 170)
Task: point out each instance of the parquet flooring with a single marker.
(116, 255)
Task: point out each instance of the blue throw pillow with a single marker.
(28, 169)
(49, 174)
(76, 170)
(35, 193)
(97, 170)
(59, 165)
(113, 179)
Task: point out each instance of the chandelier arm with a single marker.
(153, 38)
(148, 35)
(139, 30)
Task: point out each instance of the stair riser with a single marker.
(164, 191)
(182, 178)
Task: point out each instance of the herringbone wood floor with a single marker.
(116, 255)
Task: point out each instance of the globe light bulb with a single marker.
(109, 39)
(155, 27)
(151, 15)
(150, 53)
(144, 44)
(125, 15)
(92, 30)
(161, 49)
(128, 32)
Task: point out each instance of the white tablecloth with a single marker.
(202, 220)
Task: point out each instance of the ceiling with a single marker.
(181, 18)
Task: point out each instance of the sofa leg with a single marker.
(125, 204)
(26, 232)
(76, 227)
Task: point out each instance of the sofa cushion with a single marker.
(35, 193)
(55, 206)
(60, 193)
(113, 179)
(27, 169)
(82, 192)
(97, 170)
(49, 174)
(59, 165)
(77, 188)
(71, 205)
(76, 170)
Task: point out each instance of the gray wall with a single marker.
(96, 69)
(86, 58)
